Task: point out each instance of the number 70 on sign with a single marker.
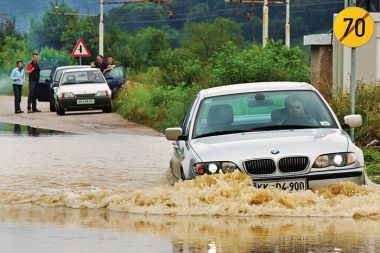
(353, 27)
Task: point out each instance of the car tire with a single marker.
(107, 109)
(60, 111)
(52, 106)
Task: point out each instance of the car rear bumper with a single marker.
(72, 104)
(324, 178)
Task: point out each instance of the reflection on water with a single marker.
(187, 234)
(21, 130)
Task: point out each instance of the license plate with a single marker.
(85, 101)
(287, 185)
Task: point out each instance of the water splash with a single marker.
(216, 195)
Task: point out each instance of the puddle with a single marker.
(22, 130)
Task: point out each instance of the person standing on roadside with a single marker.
(33, 70)
(18, 79)
(110, 65)
(100, 63)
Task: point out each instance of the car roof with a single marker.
(80, 69)
(73, 67)
(254, 87)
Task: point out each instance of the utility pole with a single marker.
(353, 79)
(287, 25)
(266, 4)
(265, 22)
(101, 20)
(101, 28)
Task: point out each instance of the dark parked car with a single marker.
(116, 79)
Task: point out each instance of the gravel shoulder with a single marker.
(83, 122)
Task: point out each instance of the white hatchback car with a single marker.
(82, 89)
(282, 134)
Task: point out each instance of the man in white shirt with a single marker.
(18, 79)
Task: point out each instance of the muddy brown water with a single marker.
(111, 193)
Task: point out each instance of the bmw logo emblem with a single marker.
(275, 152)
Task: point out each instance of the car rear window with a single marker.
(82, 77)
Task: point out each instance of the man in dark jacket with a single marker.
(33, 70)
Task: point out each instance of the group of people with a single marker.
(33, 70)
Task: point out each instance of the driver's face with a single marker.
(295, 109)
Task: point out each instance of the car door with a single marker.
(116, 77)
(43, 86)
(181, 146)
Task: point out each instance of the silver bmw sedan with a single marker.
(283, 134)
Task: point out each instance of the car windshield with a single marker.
(82, 77)
(261, 111)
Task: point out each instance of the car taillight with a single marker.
(62, 95)
(107, 94)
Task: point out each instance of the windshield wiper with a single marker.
(281, 127)
(218, 133)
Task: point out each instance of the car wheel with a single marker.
(52, 106)
(60, 111)
(107, 109)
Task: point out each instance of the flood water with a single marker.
(111, 193)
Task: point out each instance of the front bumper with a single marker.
(324, 178)
(71, 103)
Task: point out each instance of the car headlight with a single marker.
(67, 95)
(214, 167)
(336, 159)
(102, 93)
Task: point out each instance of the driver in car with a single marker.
(295, 109)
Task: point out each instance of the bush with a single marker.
(275, 62)
(368, 105)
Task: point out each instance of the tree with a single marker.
(48, 31)
(205, 38)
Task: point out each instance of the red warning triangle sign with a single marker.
(80, 50)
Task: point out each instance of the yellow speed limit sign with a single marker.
(353, 27)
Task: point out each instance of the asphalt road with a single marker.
(84, 122)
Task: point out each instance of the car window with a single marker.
(44, 74)
(57, 75)
(117, 72)
(82, 77)
(186, 120)
(262, 111)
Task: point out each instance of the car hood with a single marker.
(90, 88)
(245, 146)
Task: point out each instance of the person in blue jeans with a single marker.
(18, 79)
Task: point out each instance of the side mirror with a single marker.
(172, 134)
(353, 121)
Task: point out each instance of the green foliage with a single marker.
(84, 28)
(143, 48)
(155, 106)
(205, 38)
(48, 31)
(180, 66)
(275, 62)
(368, 105)
(13, 50)
(372, 160)
(50, 57)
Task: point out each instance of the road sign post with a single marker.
(80, 50)
(353, 27)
